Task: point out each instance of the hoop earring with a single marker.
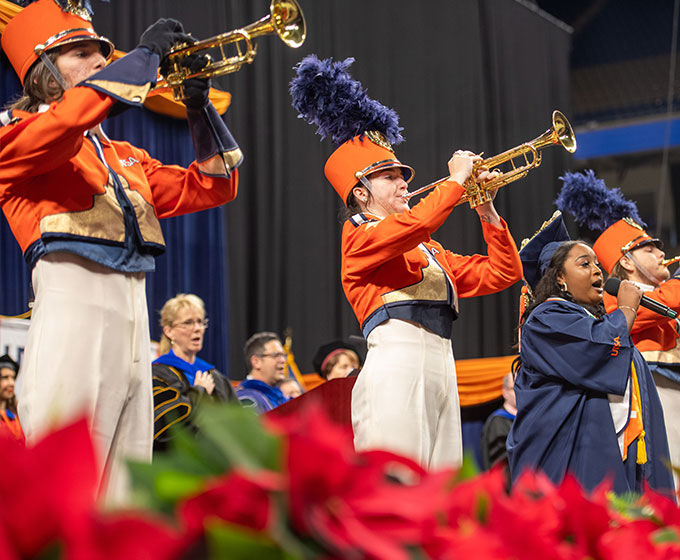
(563, 286)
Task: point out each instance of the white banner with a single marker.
(13, 333)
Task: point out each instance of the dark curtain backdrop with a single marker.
(483, 75)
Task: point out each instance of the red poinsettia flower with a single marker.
(469, 539)
(529, 521)
(239, 498)
(471, 499)
(665, 509)
(48, 490)
(630, 542)
(370, 504)
(125, 535)
(583, 520)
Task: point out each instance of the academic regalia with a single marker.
(571, 361)
(10, 426)
(175, 395)
(494, 437)
(257, 394)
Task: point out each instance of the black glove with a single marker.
(196, 89)
(161, 36)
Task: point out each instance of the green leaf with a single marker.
(628, 504)
(225, 436)
(469, 468)
(238, 543)
(239, 436)
(665, 535)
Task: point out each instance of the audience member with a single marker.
(181, 380)
(266, 362)
(586, 400)
(497, 426)
(9, 421)
(85, 210)
(290, 388)
(336, 359)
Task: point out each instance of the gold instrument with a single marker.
(560, 133)
(668, 262)
(285, 19)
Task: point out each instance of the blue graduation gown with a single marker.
(570, 362)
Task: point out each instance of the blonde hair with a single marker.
(170, 311)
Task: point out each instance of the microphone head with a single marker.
(611, 286)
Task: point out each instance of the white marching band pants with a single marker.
(87, 354)
(406, 397)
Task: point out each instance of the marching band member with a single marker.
(402, 285)
(586, 400)
(85, 211)
(628, 252)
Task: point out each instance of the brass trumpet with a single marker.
(285, 19)
(559, 133)
(668, 262)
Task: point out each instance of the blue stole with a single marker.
(189, 370)
(273, 394)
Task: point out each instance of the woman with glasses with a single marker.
(181, 380)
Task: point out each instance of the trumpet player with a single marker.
(626, 251)
(402, 285)
(85, 210)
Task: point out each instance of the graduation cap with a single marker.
(330, 349)
(605, 211)
(537, 251)
(7, 362)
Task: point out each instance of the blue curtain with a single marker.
(195, 258)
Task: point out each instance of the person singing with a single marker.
(628, 252)
(586, 400)
(402, 285)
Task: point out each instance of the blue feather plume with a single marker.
(324, 94)
(592, 204)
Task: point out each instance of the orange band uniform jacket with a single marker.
(59, 182)
(653, 334)
(391, 268)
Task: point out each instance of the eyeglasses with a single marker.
(191, 323)
(275, 355)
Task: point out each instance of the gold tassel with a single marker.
(641, 449)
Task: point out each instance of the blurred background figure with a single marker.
(290, 388)
(497, 426)
(181, 379)
(9, 421)
(336, 359)
(267, 364)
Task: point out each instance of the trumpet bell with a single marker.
(560, 133)
(288, 21)
(285, 19)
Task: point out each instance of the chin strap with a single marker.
(53, 70)
(366, 183)
(641, 269)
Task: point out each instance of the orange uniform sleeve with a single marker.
(177, 191)
(44, 141)
(479, 275)
(370, 246)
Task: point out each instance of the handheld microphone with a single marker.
(612, 284)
